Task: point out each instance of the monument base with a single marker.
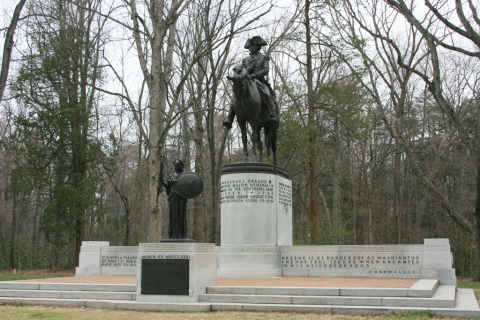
(175, 272)
(176, 240)
(248, 262)
(256, 220)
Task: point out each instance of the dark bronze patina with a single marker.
(254, 101)
(180, 187)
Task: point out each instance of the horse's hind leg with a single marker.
(254, 142)
(273, 136)
(243, 129)
(259, 145)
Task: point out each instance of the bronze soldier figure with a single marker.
(257, 65)
(177, 205)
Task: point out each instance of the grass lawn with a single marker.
(16, 311)
(38, 274)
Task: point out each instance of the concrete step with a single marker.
(51, 294)
(466, 306)
(113, 304)
(424, 288)
(444, 296)
(16, 285)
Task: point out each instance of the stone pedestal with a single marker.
(175, 272)
(256, 219)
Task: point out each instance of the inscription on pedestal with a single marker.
(165, 276)
(285, 194)
(118, 260)
(247, 190)
(371, 263)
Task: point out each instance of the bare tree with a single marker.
(8, 47)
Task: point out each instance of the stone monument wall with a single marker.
(432, 260)
(98, 258)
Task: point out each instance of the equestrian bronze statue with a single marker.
(254, 102)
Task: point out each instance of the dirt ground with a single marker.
(269, 282)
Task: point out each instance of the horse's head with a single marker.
(239, 73)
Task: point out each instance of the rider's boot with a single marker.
(271, 108)
(228, 121)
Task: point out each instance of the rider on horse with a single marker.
(257, 66)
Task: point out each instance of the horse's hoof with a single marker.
(253, 159)
(245, 160)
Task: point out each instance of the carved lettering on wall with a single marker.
(373, 261)
(247, 190)
(284, 194)
(119, 260)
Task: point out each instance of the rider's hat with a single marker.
(256, 40)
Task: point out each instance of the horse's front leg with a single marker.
(243, 129)
(254, 142)
(274, 145)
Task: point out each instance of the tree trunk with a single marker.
(337, 176)
(313, 210)
(161, 71)
(8, 47)
(14, 233)
(199, 213)
(477, 224)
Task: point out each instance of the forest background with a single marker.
(380, 120)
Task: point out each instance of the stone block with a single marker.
(89, 259)
(95, 243)
(121, 287)
(227, 307)
(295, 272)
(428, 273)
(253, 273)
(321, 292)
(19, 285)
(373, 292)
(436, 242)
(424, 288)
(256, 209)
(259, 299)
(202, 271)
(285, 291)
(440, 260)
(446, 273)
(327, 272)
(72, 287)
(32, 294)
(449, 282)
(52, 302)
(88, 271)
(96, 295)
(118, 271)
(250, 258)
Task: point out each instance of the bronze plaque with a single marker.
(165, 276)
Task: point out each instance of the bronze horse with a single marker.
(250, 108)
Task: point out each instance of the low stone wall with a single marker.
(432, 260)
(98, 258)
